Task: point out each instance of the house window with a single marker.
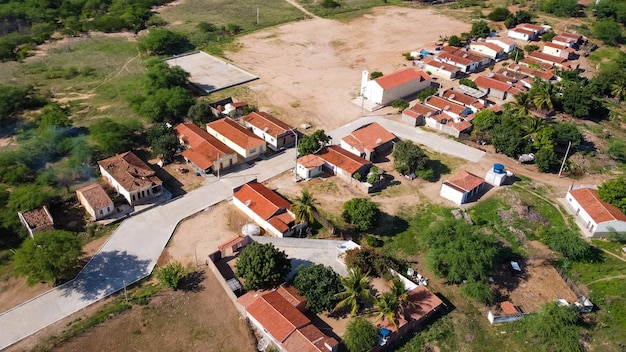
(100, 212)
(252, 151)
(133, 197)
(108, 209)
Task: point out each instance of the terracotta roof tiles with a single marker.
(236, 133)
(465, 181)
(401, 77)
(599, 210)
(262, 201)
(39, 217)
(369, 137)
(486, 82)
(204, 148)
(130, 171)
(268, 123)
(95, 196)
(310, 161)
(342, 158)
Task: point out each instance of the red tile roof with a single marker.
(508, 308)
(465, 181)
(38, 218)
(503, 40)
(554, 45)
(277, 315)
(95, 196)
(129, 171)
(530, 26)
(424, 302)
(290, 293)
(418, 110)
(457, 96)
(263, 201)
(460, 126)
(533, 61)
(491, 46)
(309, 339)
(547, 57)
(572, 36)
(236, 133)
(599, 210)
(204, 148)
(454, 58)
(342, 158)
(445, 105)
(268, 123)
(401, 77)
(368, 137)
(486, 82)
(522, 30)
(310, 161)
(440, 65)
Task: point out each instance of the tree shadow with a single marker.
(390, 225)
(295, 263)
(438, 168)
(106, 273)
(192, 282)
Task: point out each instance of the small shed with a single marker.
(461, 188)
(36, 220)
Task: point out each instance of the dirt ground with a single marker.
(310, 70)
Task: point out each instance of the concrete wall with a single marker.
(452, 194)
(349, 148)
(306, 174)
(436, 71)
(257, 219)
(484, 50)
(277, 142)
(246, 154)
(592, 228)
(377, 94)
(412, 121)
(506, 47)
(517, 35)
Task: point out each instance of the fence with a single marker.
(571, 284)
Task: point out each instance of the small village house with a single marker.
(492, 51)
(36, 220)
(275, 132)
(478, 60)
(595, 217)
(370, 141)
(458, 97)
(269, 210)
(131, 177)
(309, 166)
(558, 50)
(463, 63)
(506, 44)
(278, 316)
(522, 34)
(237, 138)
(344, 164)
(571, 40)
(96, 201)
(493, 87)
(228, 107)
(440, 69)
(416, 114)
(386, 89)
(462, 187)
(203, 151)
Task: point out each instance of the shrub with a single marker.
(361, 212)
(423, 95)
(171, 274)
(499, 14)
(360, 336)
(375, 74)
(330, 4)
(531, 47)
(468, 82)
(372, 261)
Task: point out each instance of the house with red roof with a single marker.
(309, 166)
(343, 163)
(462, 187)
(466, 100)
(506, 44)
(96, 201)
(559, 50)
(278, 316)
(416, 114)
(491, 50)
(131, 177)
(203, 151)
(248, 145)
(462, 62)
(440, 69)
(548, 59)
(369, 141)
(571, 40)
(493, 87)
(384, 90)
(594, 216)
(36, 220)
(522, 33)
(275, 132)
(268, 209)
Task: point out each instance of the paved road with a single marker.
(431, 140)
(129, 255)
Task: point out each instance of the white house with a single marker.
(131, 177)
(369, 141)
(461, 187)
(275, 132)
(96, 201)
(463, 63)
(384, 90)
(440, 69)
(522, 34)
(343, 164)
(269, 210)
(416, 114)
(309, 166)
(492, 51)
(238, 138)
(506, 44)
(595, 217)
(557, 50)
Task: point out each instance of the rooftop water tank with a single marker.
(498, 168)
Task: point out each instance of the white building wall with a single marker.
(121, 190)
(306, 174)
(403, 90)
(350, 148)
(436, 71)
(517, 35)
(95, 213)
(247, 154)
(484, 50)
(506, 47)
(452, 194)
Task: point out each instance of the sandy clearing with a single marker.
(310, 70)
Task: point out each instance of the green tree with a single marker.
(375, 74)
(566, 242)
(561, 8)
(304, 206)
(165, 104)
(360, 336)
(53, 115)
(618, 88)
(262, 266)
(200, 112)
(454, 40)
(548, 36)
(485, 120)
(111, 137)
(161, 41)
(356, 291)
(163, 141)
(400, 104)
(12, 100)
(391, 305)
(499, 14)
(543, 94)
(361, 212)
(171, 274)
(607, 30)
(468, 82)
(319, 284)
(424, 94)
(311, 144)
(480, 29)
(408, 157)
(578, 99)
(479, 291)
(50, 256)
(617, 149)
(553, 328)
(522, 104)
(531, 47)
(161, 75)
(507, 138)
(614, 192)
(27, 197)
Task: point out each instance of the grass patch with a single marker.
(348, 9)
(587, 272)
(605, 56)
(409, 242)
(613, 247)
(185, 17)
(608, 296)
(543, 207)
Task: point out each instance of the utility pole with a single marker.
(564, 158)
(257, 15)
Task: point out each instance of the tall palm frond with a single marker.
(356, 291)
(304, 206)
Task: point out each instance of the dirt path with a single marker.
(119, 72)
(299, 7)
(607, 279)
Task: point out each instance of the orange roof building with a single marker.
(594, 216)
(248, 145)
(204, 151)
(462, 187)
(269, 210)
(277, 318)
(384, 90)
(493, 87)
(275, 132)
(369, 141)
(309, 166)
(131, 177)
(343, 163)
(96, 201)
(36, 220)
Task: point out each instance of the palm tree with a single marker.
(618, 89)
(543, 94)
(531, 125)
(522, 104)
(356, 291)
(392, 304)
(304, 206)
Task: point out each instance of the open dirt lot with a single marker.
(310, 70)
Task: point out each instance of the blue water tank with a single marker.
(498, 168)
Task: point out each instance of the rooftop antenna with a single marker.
(247, 203)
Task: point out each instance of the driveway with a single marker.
(431, 140)
(129, 255)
